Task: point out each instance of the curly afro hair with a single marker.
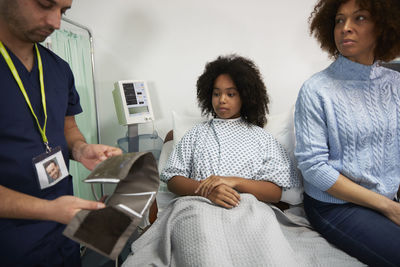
(249, 83)
(386, 16)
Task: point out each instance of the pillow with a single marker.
(183, 123)
(281, 126)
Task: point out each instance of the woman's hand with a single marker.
(207, 185)
(393, 212)
(346, 189)
(224, 196)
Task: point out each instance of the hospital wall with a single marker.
(168, 42)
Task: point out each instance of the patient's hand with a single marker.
(224, 196)
(207, 185)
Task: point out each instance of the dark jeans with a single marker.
(361, 232)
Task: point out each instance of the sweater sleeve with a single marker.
(312, 146)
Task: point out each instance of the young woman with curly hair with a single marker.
(225, 169)
(347, 123)
(231, 153)
(247, 79)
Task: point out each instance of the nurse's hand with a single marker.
(224, 196)
(64, 208)
(92, 154)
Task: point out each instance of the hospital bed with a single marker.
(307, 245)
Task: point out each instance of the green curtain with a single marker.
(76, 50)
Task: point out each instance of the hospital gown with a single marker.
(230, 148)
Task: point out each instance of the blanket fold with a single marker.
(192, 231)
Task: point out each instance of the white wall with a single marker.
(168, 42)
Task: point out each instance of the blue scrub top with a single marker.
(20, 142)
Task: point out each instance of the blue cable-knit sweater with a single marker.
(347, 121)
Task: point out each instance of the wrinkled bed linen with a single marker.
(192, 231)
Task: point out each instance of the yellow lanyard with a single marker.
(14, 72)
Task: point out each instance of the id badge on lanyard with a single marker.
(50, 166)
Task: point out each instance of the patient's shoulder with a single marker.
(261, 133)
(196, 130)
(200, 127)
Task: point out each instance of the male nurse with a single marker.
(37, 124)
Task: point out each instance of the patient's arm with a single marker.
(223, 195)
(263, 190)
(182, 186)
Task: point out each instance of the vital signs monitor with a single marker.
(132, 102)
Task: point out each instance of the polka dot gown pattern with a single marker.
(230, 148)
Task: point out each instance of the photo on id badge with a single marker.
(50, 168)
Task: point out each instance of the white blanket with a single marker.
(192, 231)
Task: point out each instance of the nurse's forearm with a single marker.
(75, 140)
(17, 205)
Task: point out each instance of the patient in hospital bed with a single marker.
(228, 169)
(230, 153)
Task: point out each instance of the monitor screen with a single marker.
(132, 102)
